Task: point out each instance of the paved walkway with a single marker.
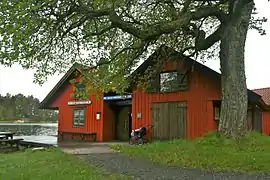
(87, 148)
(102, 156)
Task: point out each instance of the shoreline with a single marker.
(42, 122)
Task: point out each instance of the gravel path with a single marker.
(139, 169)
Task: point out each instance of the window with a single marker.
(78, 117)
(172, 81)
(216, 113)
(79, 91)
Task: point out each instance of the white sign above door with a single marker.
(72, 103)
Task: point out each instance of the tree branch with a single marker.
(217, 35)
(186, 6)
(83, 10)
(166, 28)
(236, 7)
(211, 39)
(154, 31)
(99, 32)
(125, 26)
(111, 59)
(74, 25)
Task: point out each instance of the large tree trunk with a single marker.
(233, 80)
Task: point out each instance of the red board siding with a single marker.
(65, 114)
(266, 123)
(108, 123)
(199, 110)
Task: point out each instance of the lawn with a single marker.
(49, 165)
(211, 152)
(6, 121)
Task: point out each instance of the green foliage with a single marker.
(111, 37)
(49, 164)
(212, 152)
(20, 106)
(80, 91)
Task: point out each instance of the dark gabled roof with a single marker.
(265, 93)
(152, 60)
(172, 54)
(82, 69)
(63, 81)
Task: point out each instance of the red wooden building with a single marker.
(183, 102)
(265, 93)
(108, 117)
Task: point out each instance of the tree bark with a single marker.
(233, 79)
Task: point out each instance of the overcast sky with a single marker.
(15, 80)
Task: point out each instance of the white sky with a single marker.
(15, 80)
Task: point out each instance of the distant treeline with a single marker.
(24, 107)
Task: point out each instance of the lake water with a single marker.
(37, 132)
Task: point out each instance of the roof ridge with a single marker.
(261, 88)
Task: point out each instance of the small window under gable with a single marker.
(171, 81)
(80, 91)
(79, 86)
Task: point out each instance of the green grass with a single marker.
(51, 164)
(211, 152)
(6, 121)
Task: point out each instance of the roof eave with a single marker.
(48, 107)
(253, 97)
(263, 105)
(45, 104)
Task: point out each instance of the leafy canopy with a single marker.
(110, 36)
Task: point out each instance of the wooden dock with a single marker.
(38, 141)
(33, 144)
(8, 143)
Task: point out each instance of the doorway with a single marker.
(123, 123)
(121, 116)
(169, 120)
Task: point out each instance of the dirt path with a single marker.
(139, 169)
(102, 156)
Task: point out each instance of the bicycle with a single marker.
(138, 136)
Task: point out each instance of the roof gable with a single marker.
(160, 52)
(63, 81)
(165, 51)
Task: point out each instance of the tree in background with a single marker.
(20, 106)
(50, 35)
